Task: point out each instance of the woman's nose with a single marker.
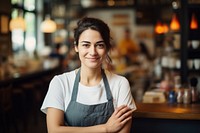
(93, 50)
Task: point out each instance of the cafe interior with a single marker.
(163, 68)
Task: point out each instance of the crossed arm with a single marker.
(119, 122)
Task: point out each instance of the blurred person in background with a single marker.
(128, 49)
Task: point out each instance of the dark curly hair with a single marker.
(94, 24)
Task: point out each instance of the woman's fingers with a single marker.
(126, 120)
(120, 117)
(119, 108)
(126, 115)
(123, 111)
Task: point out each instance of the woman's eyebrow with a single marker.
(90, 42)
(85, 42)
(100, 42)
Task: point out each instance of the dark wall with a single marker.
(5, 6)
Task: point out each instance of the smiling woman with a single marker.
(92, 52)
(89, 99)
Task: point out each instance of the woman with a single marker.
(89, 99)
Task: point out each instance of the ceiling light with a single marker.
(48, 25)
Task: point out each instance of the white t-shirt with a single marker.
(61, 86)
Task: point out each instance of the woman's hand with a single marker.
(118, 119)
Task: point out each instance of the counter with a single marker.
(169, 118)
(168, 111)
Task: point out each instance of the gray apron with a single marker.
(78, 114)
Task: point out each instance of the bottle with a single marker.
(172, 96)
(178, 89)
(187, 97)
(179, 98)
(177, 83)
(193, 84)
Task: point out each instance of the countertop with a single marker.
(168, 111)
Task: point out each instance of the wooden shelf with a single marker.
(193, 53)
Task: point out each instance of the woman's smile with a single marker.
(93, 59)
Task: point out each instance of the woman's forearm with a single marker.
(55, 124)
(91, 129)
(67, 129)
(119, 121)
(127, 127)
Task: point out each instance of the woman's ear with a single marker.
(76, 48)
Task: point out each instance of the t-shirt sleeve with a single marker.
(55, 96)
(125, 95)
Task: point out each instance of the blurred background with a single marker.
(155, 45)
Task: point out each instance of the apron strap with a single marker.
(75, 87)
(107, 86)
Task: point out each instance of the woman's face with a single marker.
(91, 49)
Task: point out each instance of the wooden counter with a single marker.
(166, 118)
(168, 111)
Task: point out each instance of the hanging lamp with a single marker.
(48, 25)
(194, 22)
(17, 23)
(175, 24)
(161, 28)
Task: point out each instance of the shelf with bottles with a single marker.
(193, 60)
(193, 65)
(171, 61)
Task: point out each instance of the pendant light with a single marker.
(17, 23)
(194, 22)
(161, 28)
(48, 25)
(175, 24)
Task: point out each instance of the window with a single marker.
(30, 38)
(24, 40)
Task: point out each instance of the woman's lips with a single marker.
(93, 59)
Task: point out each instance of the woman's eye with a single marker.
(86, 45)
(100, 46)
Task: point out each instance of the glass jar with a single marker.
(194, 94)
(180, 94)
(187, 96)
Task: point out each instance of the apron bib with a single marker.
(78, 114)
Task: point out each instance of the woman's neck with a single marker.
(90, 77)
